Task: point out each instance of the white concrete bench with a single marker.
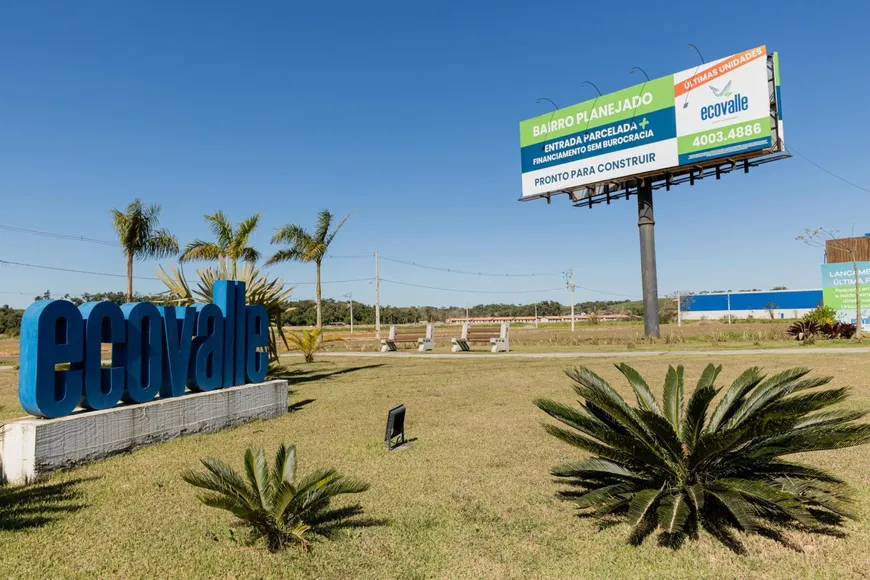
(426, 341)
(497, 336)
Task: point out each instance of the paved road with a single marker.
(623, 354)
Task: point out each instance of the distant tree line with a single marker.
(10, 320)
(116, 297)
(338, 312)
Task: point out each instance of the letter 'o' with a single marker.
(142, 355)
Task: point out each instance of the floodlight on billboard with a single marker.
(725, 110)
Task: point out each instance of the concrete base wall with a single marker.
(31, 446)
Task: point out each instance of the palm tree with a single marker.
(273, 503)
(307, 247)
(139, 237)
(681, 465)
(231, 245)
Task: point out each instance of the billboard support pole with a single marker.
(646, 225)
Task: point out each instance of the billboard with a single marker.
(720, 109)
(838, 289)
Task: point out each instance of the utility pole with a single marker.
(536, 315)
(349, 297)
(466, 311)
(569, 279)
(377, 300)
(679, 310)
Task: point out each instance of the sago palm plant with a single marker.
(273, 503)
(678, 465)
(271, 293)
(309, 342)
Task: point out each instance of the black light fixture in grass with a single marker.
(395, 434)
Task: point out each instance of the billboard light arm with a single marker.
(701, 56)
(634, 68)
(590, 83)
(555, 106)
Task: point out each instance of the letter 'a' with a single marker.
(207, 354)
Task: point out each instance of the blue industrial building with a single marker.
(782, 304)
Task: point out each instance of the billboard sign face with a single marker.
(719, 109)
(838, 289)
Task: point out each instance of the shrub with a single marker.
(309, 342)
(673, 465)
(803, 329)
(821, 315)
(272, 504)
(839, 330)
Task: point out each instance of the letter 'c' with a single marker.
(104, 322)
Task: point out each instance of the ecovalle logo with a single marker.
(736, 104)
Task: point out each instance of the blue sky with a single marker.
(405, 114)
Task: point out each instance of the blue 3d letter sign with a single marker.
(155, 351)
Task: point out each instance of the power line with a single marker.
(602, 292)
(57, 235)
(500, 291)
(471, 291)
(331, 282)
(74, 271)
(831, 173)
(465, 272)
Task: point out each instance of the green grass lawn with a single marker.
(471, 499)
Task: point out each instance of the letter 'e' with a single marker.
(207, 355)
(142, 355)
(104, 322)
(52, 332)
(256, 336)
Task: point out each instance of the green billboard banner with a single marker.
(840, 291)
(719, 109)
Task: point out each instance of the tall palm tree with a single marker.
(307, 247)
(231, 245)
(139, 236)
